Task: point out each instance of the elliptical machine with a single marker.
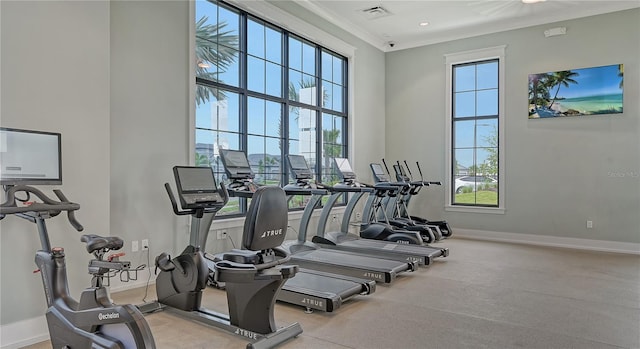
(400, 209)
(376, 207)
(252, 276)
(94, 321)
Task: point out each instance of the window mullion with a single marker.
(320, 106)
(286, 109)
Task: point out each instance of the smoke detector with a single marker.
(375, 12)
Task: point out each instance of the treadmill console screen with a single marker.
(344, 168)
(236, 164)
(299, 167)
(378, 173)
(196, 186)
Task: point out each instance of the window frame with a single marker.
(470, 57)
(271, 16)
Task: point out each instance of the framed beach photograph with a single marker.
(577, 92)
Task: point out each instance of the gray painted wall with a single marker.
(55, 77)
(559, 173)
(149, 118)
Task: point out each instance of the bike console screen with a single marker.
(196, 186)
(30, 157)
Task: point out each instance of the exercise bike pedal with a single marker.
(164, 263)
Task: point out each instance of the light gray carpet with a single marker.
(484, 295)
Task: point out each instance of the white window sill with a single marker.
(471, 209)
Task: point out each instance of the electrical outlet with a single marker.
(589, 224)
(222, 234)
(134, 246)
(145, 244)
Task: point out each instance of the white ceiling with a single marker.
(449, 20)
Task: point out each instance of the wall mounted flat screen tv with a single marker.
(30, 157)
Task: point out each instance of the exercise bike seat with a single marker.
(264, 231)
(97, 242)
(242, 256)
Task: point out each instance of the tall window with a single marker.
(268, 92)
(475, 123)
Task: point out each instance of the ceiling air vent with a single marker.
(375, 12)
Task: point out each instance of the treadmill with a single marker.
(342, 240)
(311, 289)
(309, 255)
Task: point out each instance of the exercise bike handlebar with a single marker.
(49, 205)
(71, 214)
(174, 203)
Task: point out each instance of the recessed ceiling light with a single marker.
(532, 1)
(424, 24)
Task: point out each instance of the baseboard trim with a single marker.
(551, 241)
(23, 333)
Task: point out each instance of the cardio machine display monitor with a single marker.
(378, 173)
(344, 168)
(400, 174)
(196, 186)
(30, 157)
(236, 164)
(299, 167)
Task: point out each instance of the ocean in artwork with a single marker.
(603, 104)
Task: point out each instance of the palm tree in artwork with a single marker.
(562, 78)
(214, 48)
(621, 75)
(538, 90)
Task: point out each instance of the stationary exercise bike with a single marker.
(252, 276)
(94, 321)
